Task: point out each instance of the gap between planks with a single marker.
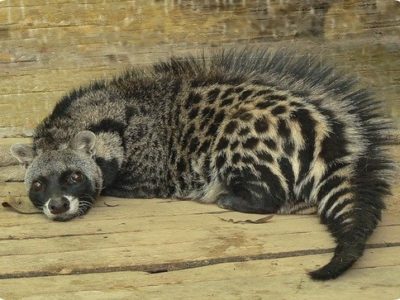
(169, 267)
(376, 277)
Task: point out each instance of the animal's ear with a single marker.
(84, 141)
(22, 152)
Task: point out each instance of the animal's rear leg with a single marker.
(247, 192)
(247, 204)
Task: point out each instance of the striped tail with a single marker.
(352, 209)
(351, 231)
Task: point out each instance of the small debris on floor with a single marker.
(258, 221)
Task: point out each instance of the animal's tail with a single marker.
(350, 246)
(351, 208)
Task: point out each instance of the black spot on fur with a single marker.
(245, 94)
(287, 172)
(239, 112)
(227, 93)
(238, 89)
(305, 192)
(221, 159)
(236, 158)
(194, 143)
(246, 116)
(181, 166)
(234, 145)
(207, 112)
(231, 127)
(265, 104)
(261, 125)
(173, 155)
(212, 130)
(222, 144)
(288, 147)
(205, 146)
(265, 156)
(213, 95)
(296, 104)
(273, 182)
(188, 135)
(278, 110)
(334, 146)
(244, 131)
(182, 183)
(193, 99)
(108, 125)
(251, 143)
(247, 159)
(262, 92)
(283, 129)
(193, 113)
(307, 125)
(219, 117)
(277, 97)
(226, 102)
(270, 144)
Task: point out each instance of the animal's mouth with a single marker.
(73, 207)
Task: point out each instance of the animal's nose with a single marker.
(58, 205)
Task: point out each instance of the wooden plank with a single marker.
(11, 173)
(375, 277)
(6, 159)
(140, 235)
(146, 242)
(47, 80)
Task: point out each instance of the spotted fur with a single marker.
(253, 131)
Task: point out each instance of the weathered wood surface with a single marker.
(50, 46)
(266, 279)
(160, 248)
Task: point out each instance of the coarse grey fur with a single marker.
(253, 131)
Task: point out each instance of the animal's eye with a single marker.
(38, 186)
(76, 177)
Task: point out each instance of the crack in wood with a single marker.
(177, 266)
(13, 238)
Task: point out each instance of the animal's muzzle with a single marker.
(58, 205)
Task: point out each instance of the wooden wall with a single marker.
(50, 46)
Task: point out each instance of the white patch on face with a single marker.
(46, 210)
(73, 209)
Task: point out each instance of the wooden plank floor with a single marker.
(160, 248)
(178, 249)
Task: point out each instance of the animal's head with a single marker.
(62, 183)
